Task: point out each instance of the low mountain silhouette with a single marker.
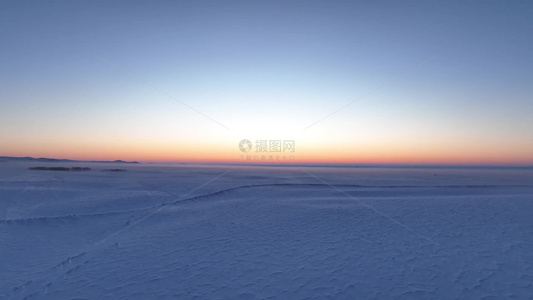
(43, 159)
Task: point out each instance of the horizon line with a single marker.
(287, 164)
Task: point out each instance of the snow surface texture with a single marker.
(226, 232)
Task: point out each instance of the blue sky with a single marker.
(450, 81)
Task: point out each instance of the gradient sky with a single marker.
(445, 82)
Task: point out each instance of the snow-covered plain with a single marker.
(236, 232)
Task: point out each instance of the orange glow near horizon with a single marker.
(305, 154)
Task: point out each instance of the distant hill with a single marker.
(42, 159)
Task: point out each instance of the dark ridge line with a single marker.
(45, 159)
(327, 185)
(365, 166)
(75, 216)
(67, 217)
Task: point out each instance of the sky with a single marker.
(445, 82)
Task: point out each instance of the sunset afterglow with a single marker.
(349, 82)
